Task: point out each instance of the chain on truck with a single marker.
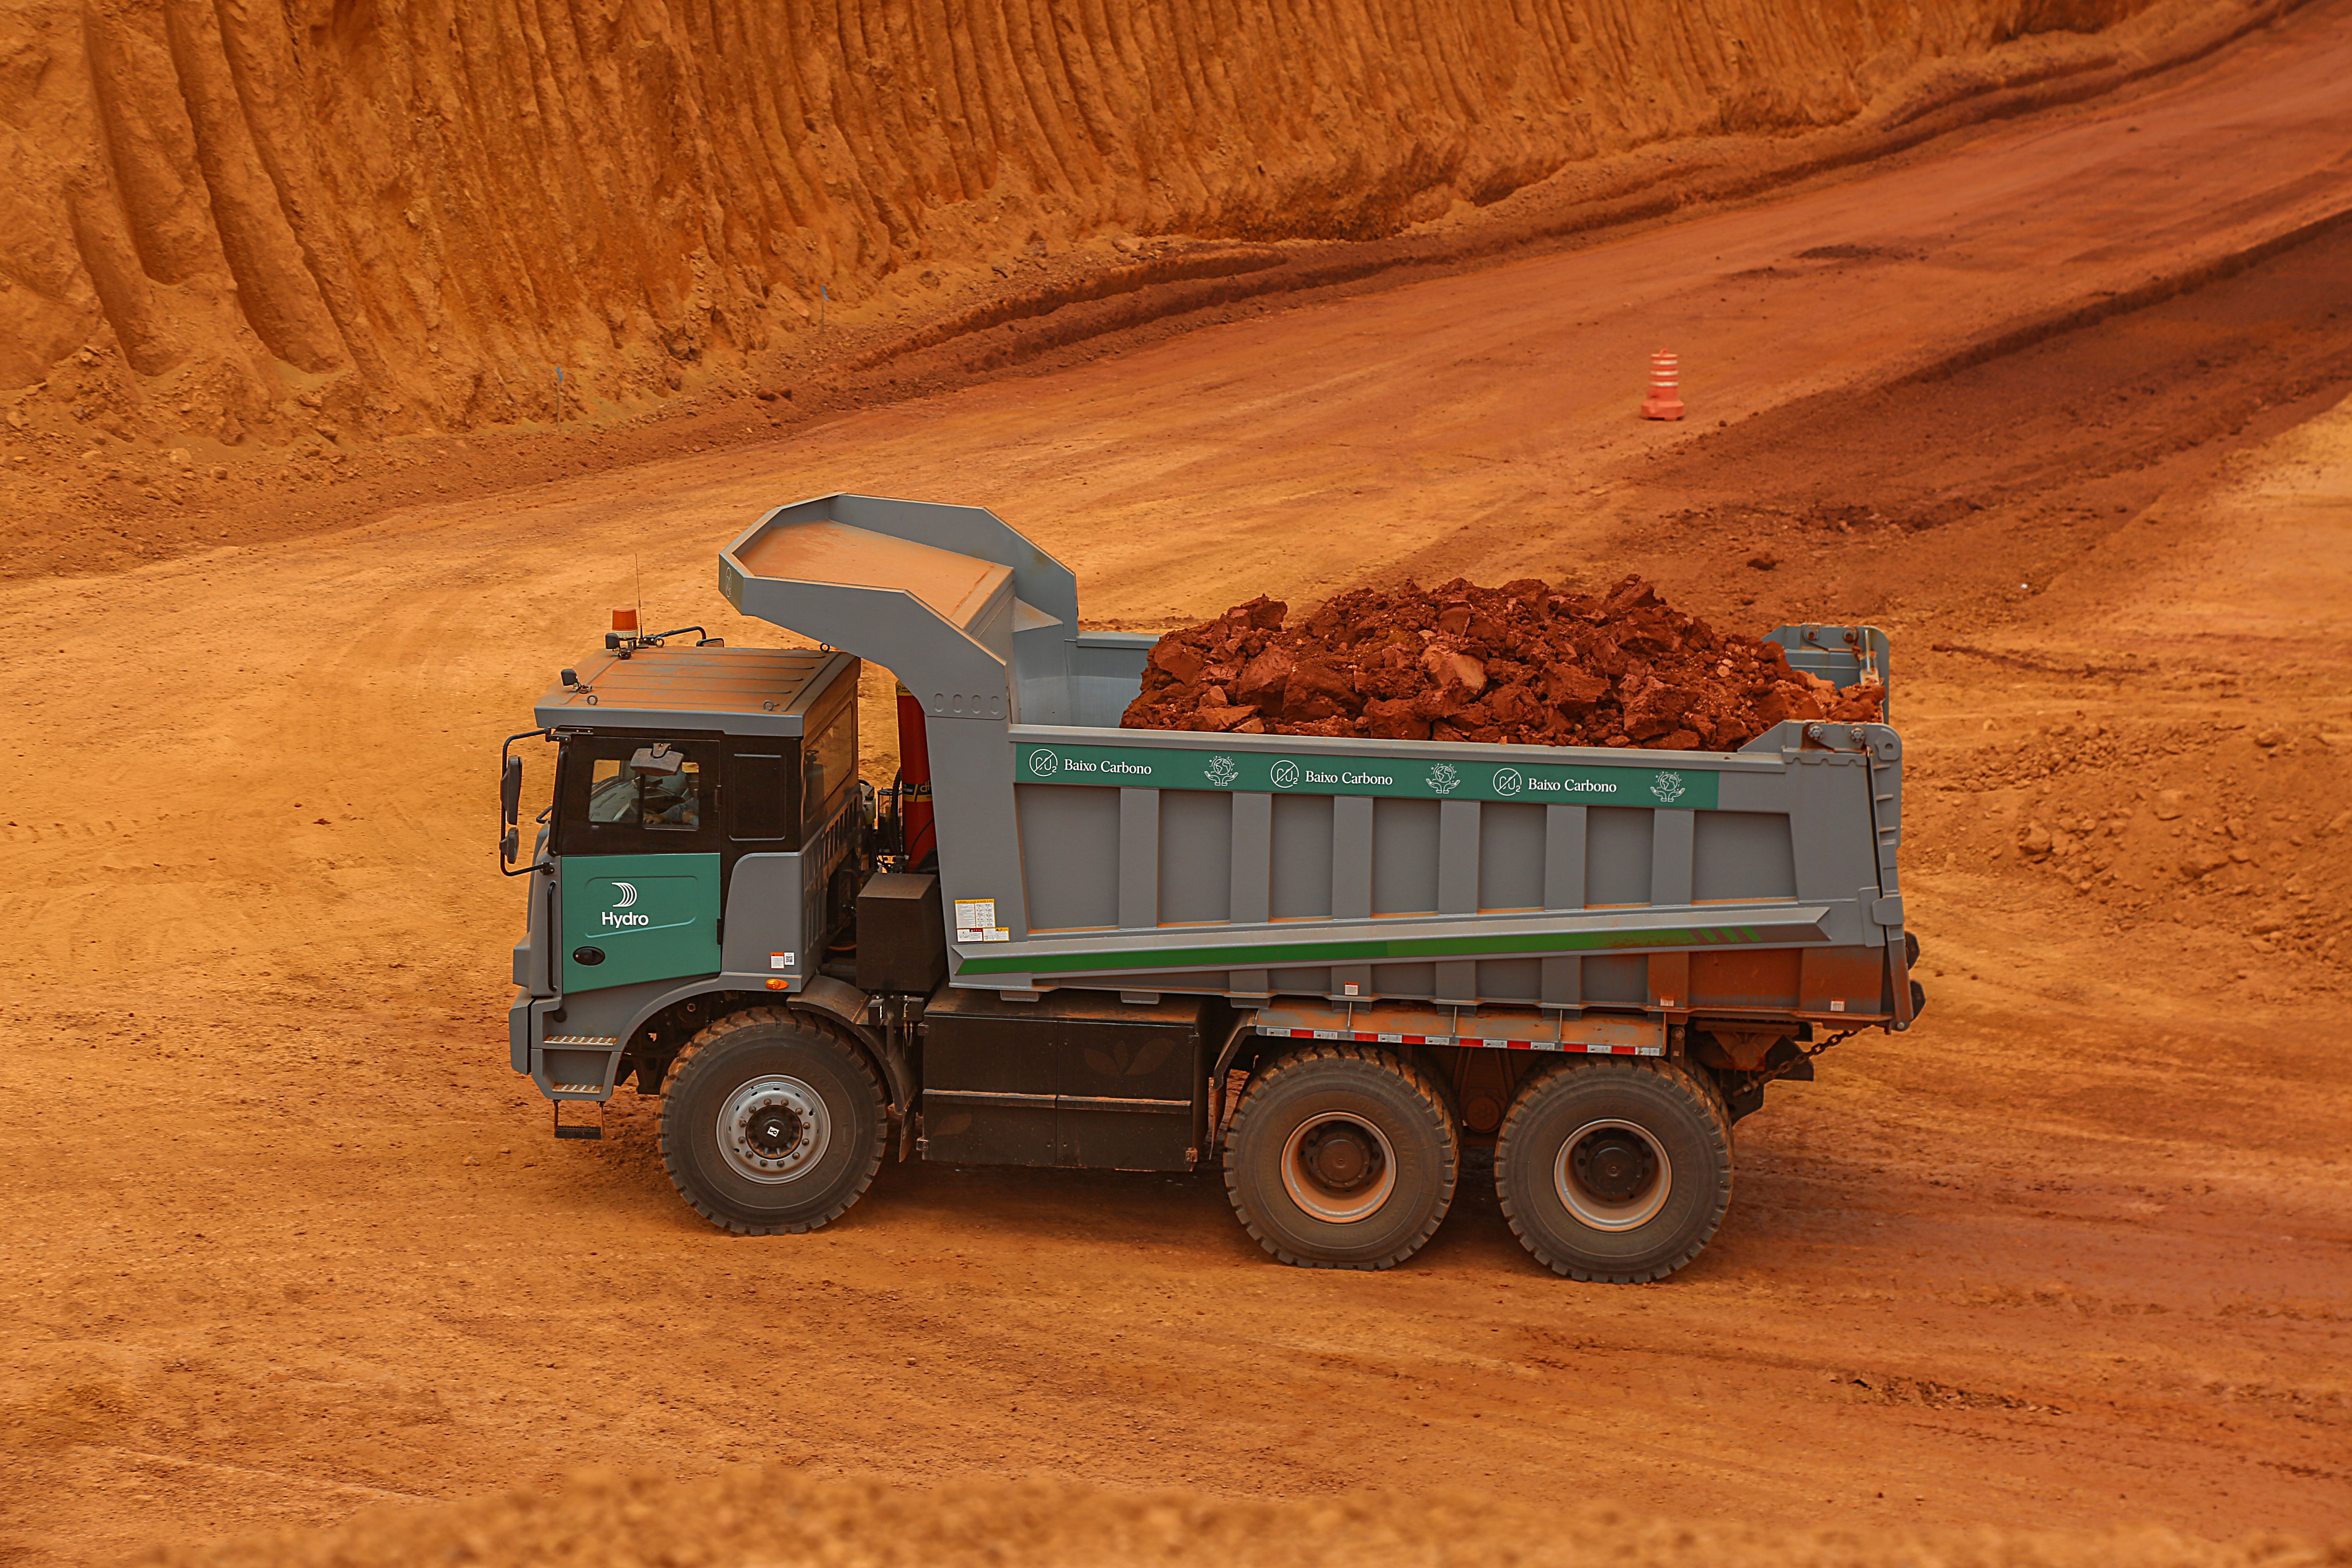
(1329, 967)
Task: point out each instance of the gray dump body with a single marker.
(1399, 882)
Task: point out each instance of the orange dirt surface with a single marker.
(755, 1514)
(2060, 402)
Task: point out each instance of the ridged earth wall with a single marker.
(401, 215)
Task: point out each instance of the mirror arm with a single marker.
(506, 819)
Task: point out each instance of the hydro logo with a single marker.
(620, 917)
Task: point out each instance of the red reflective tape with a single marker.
(1518, 1044)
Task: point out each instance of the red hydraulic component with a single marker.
(1665, 399)
(922, 836)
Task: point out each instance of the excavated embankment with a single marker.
(331, 221)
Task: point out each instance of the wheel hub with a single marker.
(1613, 1175)
(1337, 1168)
(1614, 1165)
(774, 1129)
(1341, 1157)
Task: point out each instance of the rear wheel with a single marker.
(1615, 1171)
(770, 1123)
(1342, 1157)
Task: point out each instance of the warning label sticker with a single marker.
(975, 920)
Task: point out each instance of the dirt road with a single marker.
(286, 1237)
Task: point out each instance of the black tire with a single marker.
(1362, 1137)
(808, 1116)
(1615, 1171)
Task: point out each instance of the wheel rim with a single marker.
(1612, 1175)
(1339, 1168)
(774, 1129)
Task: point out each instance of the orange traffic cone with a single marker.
(1664, 401)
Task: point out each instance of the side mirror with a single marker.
(510, 792)
(510, 845)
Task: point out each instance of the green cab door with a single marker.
(630, 918)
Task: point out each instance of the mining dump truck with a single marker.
(1330, 967)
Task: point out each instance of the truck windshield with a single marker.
(673, 801)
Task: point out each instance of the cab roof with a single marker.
(734, 691)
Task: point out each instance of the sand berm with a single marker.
(753, 1517)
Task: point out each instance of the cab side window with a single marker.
(619, 792)
(619, 796)
(831, 762)
(611, 793)
(762, 807)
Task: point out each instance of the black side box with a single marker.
(902, 938)
(1074, 1078)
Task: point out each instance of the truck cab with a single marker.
(706, 818)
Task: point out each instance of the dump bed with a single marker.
(1439, 874)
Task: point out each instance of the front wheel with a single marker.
(1615, 1171)
(771, 1124)
(1342, 1157)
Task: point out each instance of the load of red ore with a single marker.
(1525, 664)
